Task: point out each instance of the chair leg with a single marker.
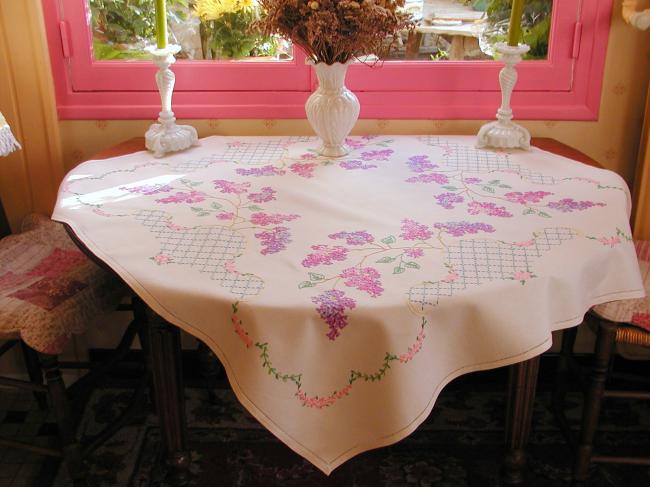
(562, 371)
(35, 373)
(211, 370)
(61, 409)
(605, 342)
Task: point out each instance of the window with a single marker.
(443, 70)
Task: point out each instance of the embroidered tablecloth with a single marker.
(342, 295)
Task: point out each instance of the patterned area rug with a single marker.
(460, 444)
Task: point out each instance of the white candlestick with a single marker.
(166, 136)
(504, 133)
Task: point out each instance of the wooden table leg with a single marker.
(521, 397)
(170, 402)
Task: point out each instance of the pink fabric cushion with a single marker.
(633, 311)
(48, 288)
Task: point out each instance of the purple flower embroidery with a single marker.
(331, 308)
(183, 197)
(274, 240)
(353, 238)
(567, 205)
(265, 195)
(377, 155)
(260, 171)
(349, 165)
(414, 253)
(230, 186)
(412, 230)
(306, 170)
(265, 219)
(433, 177)
(420, 163)
(364, 279)
(458, 229)
(448, 200)
(527, 197)
(325, 255)
(148, 189)
(490, 209)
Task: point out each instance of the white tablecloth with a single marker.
(342, 295)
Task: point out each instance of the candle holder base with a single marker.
(504, 133)
(166, 136)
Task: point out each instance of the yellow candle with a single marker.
(161, 24)
(514, 31)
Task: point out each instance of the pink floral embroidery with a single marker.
(322, 402)
(305, 170)
(568, 205)
(448, 200)
(241, 333)
(360, 237)
(414, 253)
(308, 156)
(274, 240)
(412, 230)
(610, 241)
(414, 349)
(331, 308)
(265, 195)
(148, 189)
(364, 279)
(354, 144)
(472, 180)
(490, 209)
(162, 259)
(433, 177)
(522, 276)
(174, 226)
(325, 255)
(527, 197)
(226, 216)
(260, 171)
(184, 197)
(458, 229)
(377, 155)
(420, 164)
(451, 277)
(230, 186)
(230, 268)
(526, 243)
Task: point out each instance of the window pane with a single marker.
(205, 29)
(468, 29)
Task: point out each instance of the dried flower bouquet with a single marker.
(333, 31)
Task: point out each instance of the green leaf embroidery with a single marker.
(398, 270)
(316, 277)
(254, 208)
(529, 211)
(216, 206)
(545, 215)
(489, 189)
(450, 188)
(304, 284)
(386, 260)
(412, 265)
(389, 240)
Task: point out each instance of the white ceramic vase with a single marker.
(332, 110)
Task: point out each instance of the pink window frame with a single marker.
(566, 86)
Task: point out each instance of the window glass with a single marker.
(205, 30)
(468, 29)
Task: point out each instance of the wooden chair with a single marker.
(49, 290)
(621, 322)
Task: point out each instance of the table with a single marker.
(378, 276)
